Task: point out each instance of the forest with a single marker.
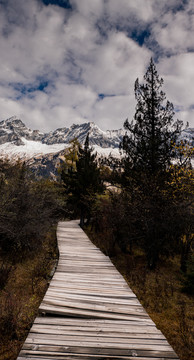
(138, 209)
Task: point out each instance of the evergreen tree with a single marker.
(153, 133)
(149, 147)
(82, 183)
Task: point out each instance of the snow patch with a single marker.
(106, 151)
(29, 149)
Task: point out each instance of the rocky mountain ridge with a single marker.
(14, 130)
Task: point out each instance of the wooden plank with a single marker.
(57, 355)
(59, 310)
(95, 291)
(135, 334)
(111, 346)
(79, 336)
(99, 323)
(101, 350)
(94, 302)
(53, 300)
(93, 298)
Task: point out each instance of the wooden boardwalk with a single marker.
(89, 312)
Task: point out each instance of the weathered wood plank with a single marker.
(100, 350)
(91, 332)
(89, 305)
(115, 324)
(93, 299)
(62, 311)
(39, 337)
(57, 355)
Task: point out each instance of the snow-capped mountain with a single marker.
(45, 150)
(97, 136)
(14, 130)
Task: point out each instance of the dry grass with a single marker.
(160, 294)
(21, 296)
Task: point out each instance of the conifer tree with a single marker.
(149, 146)
(83, 182)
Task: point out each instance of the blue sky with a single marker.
(72, 61)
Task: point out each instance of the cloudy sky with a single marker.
(74, 61)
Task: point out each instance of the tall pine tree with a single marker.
(149, 146)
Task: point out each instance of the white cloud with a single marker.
(30, 51)
(9, 107)
(141, 9)
(116, 64)
(111, 112)
(68, 50)
(178, 73)
(174, 31)
(94, 9)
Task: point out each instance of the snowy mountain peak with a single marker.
(13, 121)
(13, 130)
(12, 118)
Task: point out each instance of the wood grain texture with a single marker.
(89, 312)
